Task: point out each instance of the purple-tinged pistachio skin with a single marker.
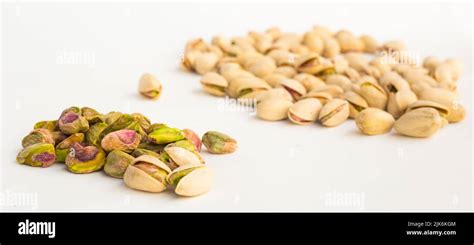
(71, 122)
(85, 159)
(125, 140)
(37, 155)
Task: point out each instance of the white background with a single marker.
(279, 166)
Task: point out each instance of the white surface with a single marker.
(279, 166)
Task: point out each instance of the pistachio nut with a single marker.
(419, 123)
(331, 47)
(373, 94)
(370, 44)
(147, 173)
(294, 87)
(85, 159)
(166, 135)
(275, 79)
(283, 57)
(309, 81)
(196, 44)
(340, 64)
(275, 93)
(314, 42)
(191, 180)
(219, 143)
(323, 97)
(392, 46)
(447, 98)
(151, 146)
(356, 103)
(334, 112)
(372, 121)
(214, 84)
(349, 42)
(125, 121)
(142, 121)
(186, 144)
(314, 64)
(248, 88)
(352, 74)
(261, 67)
(72, 122)
(287, 71)
(37, 155)
(333, 90)
(39, 135)
(339, 80)
(141, 151)
(399, 101)
(304, 111)
(357, 61)
(91, 115)
(149, 86)
(273, 109)
(392, 82)
(430, 63)
(63, 148)
(117, 163)
(442, 110)
(193, 138)
(181, 156)
(49, 125)
(125, 140)
(112, 116)
(156, 126)
(58, 136)
(205, 62)
(93, 135)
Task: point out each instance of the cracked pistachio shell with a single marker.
(309, 81)
(334, 112)
(333, 90)
(214, 84)
(39, 135)
(399, 101)
(352, 74)
(392, 82)
(49, 125)
(419, 123)
(331, 47)
(304, 111)
(373, 94)
(186, 144)
(447, 98)
(349, 42)
(261, 67)
(71, 122)
(314, 64)
(125, 140)
(193, 138)
(442, 110)
(294, 87)
(117, 163)
(85, 159)
(63, 148)
(356, 103)
(140, 151)
(275, 93)
(282, 57)
(37, 155)
(273, 109)
(323, 97)
(373, 121)
(248, 87)
(370, 44)
(181, 156)
(339, 80)
(93, 135)
(191, 180)
(91, 115)
(147, 173)
(219, 143)
(205, 62)
(149, 86)
(287, 71)
(274, 79)
(165, 135)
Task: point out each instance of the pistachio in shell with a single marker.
(37, 155)
(191, 180)
(116, 163)
(304, 111)
(442, 110)
(149, 86)
(314, 64)
(356, 103)
(39, 135)
(294, 87)
(146, 173)
(323, 97)
(165, 135)
(419, 123)
(125, 140)
(72, 122)
(193, 138)
(181, 156)
(214, 84)
(273, 109)
(399, 101)
(373, 121)
(219, 143)
(63, 148)
(85, 159)
(373, 94)
(457, 112)
(334, 112)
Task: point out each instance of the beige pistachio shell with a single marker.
(334, 112)
(309, 81)
(370, 44)
(140, 180)
(304, 111)
(287, 71)
(393, 45)
(323, 97)
(313, 64)
(331, 47)
(357, 61)
(273, 109)
(399, 101)
(356, 103)
(419, 123)
(149, 86)
(294, 87)
(214, 84)
(442, 110)
(392, 82)
(352, 74)
(339, 80)
(314, 42)
(197, 182)
(205, 62)
(283, 57)
(250, 85)
(373, 121)
(261, 67)
(349, 42)
(448, 99)
(275, 93)
(181, 156)
(275, 79)
(333, 90)
(373, 94)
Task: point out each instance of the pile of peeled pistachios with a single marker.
(329, 77)
(148, 157)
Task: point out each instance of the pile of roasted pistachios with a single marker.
(148, 157)
(329, 77)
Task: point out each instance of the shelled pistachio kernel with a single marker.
(419, 123)
(334, 112)
(147, 173)
(304, 111)
(85, 159)
(37, 155)
(372, 121)
(191, 179)
(149, 86)
(214, 84)
(117, 163)
(39, 135)
(125, 140)
(219, 143)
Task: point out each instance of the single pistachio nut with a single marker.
(49, 125)
(373, 94)
(141, 151)
(39, 135)
(399, 101)
(37, 155)
(186, 144)
(63, 148)
(287, 71)
(309, 81)
(276, 93)
(149, 86)
(248, 88)
(370, 44)
(117, 163)
(349, 42)
(392, 82)
(214, 84)
(125, 121)
(72, 122)
(419, 123)
(334, 112)
(331, 47)
(219, 143)
(191, 180)
(147, 173)
(93, 134)
(205, 62)
(125, 140)
(314, 64)
(442, 110)
(273, 109)
(142, 121)
(193, 138)
(181, 156)
(274, 79)
(304, 111)
(85, 159)
(457, 112)
(294, 87)
(356, 103)
(151, 146)
(91, 115)
(165, 135)
(112, 116)
(373, 121)
(261, 67)
(314, 42)
(334, 90)
(323, 97)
